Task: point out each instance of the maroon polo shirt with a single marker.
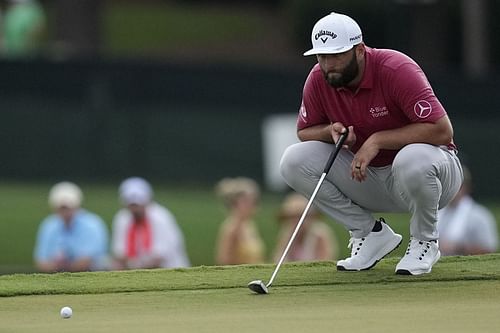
(393, 92)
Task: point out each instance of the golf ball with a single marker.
(66, 312)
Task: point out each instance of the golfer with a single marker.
(399, 155)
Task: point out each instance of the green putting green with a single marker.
(460, 295)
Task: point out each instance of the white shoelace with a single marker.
(352, 241)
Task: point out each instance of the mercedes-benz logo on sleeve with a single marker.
(422, 109)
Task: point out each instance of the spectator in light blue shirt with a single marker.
(72, 239)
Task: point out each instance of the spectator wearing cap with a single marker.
(314, 240)
(72, 239)
(145, 234)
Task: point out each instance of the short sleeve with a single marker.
(43, 241)
(119, 233)
(483, 228)
(413, 94)
(168, 240)
(311, 111)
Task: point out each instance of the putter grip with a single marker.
(334, 153)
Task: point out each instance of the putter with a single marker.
(258, 286)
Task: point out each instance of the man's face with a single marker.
(66, 213)
(138, 211)
(339, 69)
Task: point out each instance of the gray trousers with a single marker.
(422, 179)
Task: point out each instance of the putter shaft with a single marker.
(253, 285)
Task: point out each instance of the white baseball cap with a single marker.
(65, 194)
(334, 33)
(135, 190)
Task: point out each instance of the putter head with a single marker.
(258, 287)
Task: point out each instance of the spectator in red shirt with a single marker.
(145, 234)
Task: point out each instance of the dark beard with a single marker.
(347, 75)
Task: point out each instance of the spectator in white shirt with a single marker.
(145, 234)
(466, 227)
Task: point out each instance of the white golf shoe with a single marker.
(419, 258)
(367, 251)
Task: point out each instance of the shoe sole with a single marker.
(343, 269)
(418, 272)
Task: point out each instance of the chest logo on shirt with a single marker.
(379, 111)
(422, 109)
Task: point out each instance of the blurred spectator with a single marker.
(145, 234)
(73, 239)
(314, 240)
(466, 227)
(24, 28)
(239, 241)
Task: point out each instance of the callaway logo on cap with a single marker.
(334, 33)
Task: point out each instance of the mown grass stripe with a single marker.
(486, 267)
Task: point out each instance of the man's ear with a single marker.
(360, 50)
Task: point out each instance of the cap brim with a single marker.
(66, 204)
(328, 50)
